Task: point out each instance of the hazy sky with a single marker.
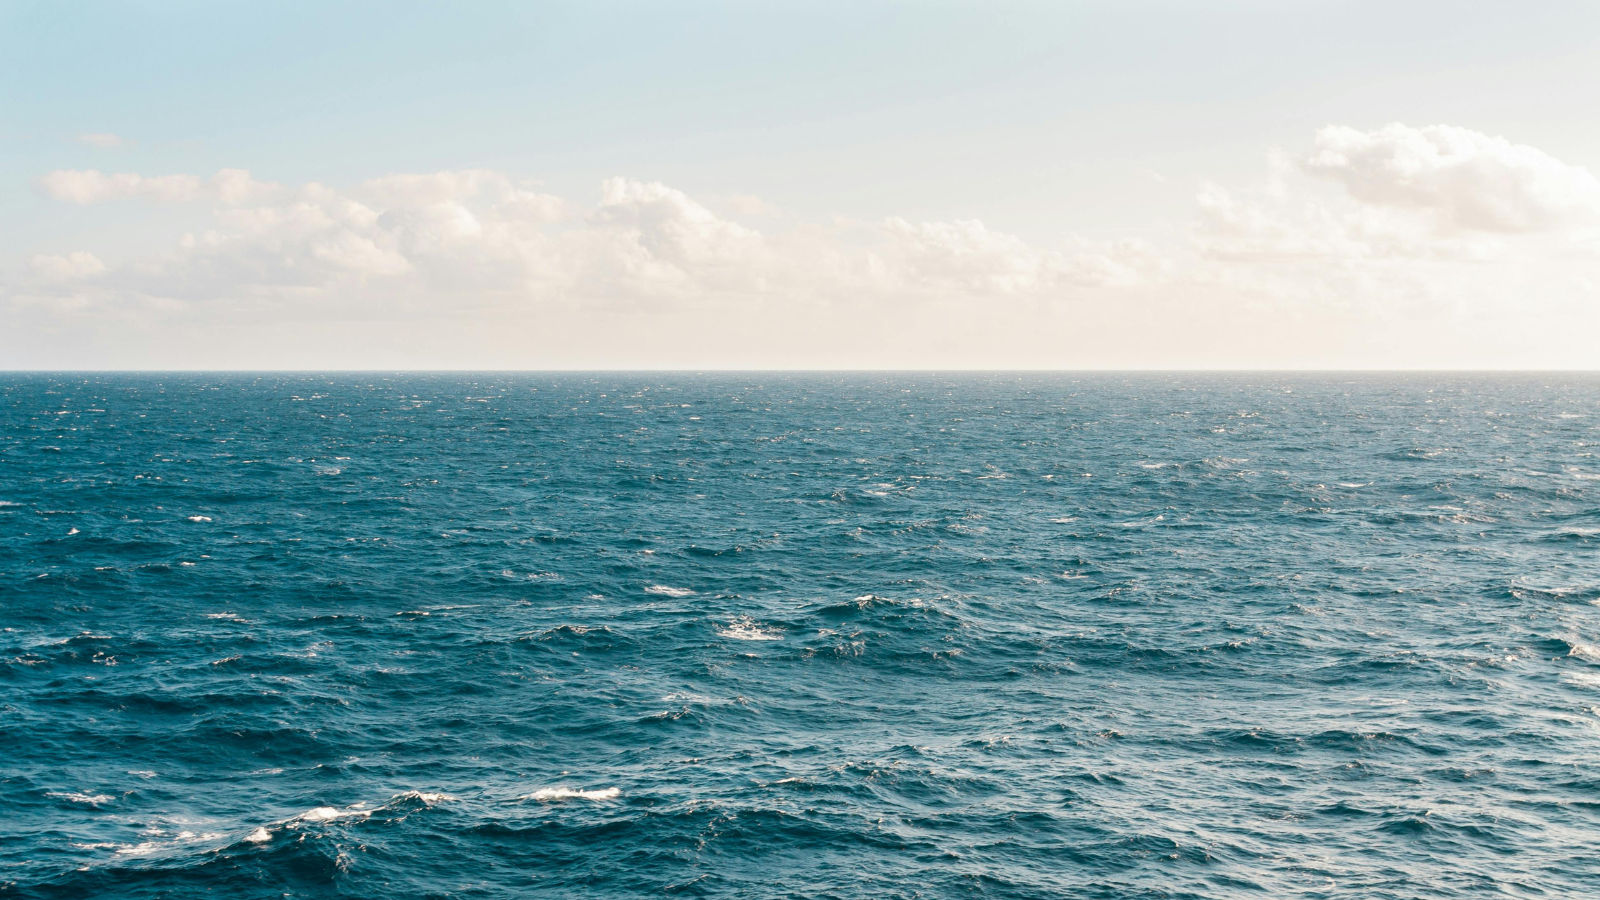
(800, 185)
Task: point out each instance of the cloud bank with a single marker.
(487, 234)
(1434, 234)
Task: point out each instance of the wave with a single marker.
(357, 812)
(899, 686)
(554, 794)
(1582, 649)
(745, 628)
(82, 797)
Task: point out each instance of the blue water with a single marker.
(856, 636)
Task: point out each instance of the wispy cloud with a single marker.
(101, 139)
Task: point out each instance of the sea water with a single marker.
(758, 635)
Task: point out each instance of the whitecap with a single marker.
(82, 797)
(199, 518)
(1585, 679)
(545, 795)
(426, 797)
(745, 628)
(318, 814)
(694, 699)
(150, 848)
(329, 814)
(1584, 651)
(666, 591)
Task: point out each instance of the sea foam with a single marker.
(551, 794)
(745, 628)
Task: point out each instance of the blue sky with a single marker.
(1070, 132)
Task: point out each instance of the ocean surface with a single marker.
(750, 635)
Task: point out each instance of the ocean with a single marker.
(799, 635)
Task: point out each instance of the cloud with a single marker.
(66, 267)
(1279, 223)
(1467, 179)
(967, 256)
(1358, 233)
(103, 140)
(1406, 229)
(669, 226)
(479, 235)
(964, 254)
(86, 187)
(1438, 193)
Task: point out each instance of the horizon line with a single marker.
(810, 371)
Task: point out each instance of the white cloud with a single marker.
(967, 256)
(65, 267)
(90, 186)
(1399, 193)
(1408, 233)
(1467, 179)
(474, 236)
(1276, 223)
(667, 226)
(103, 140)
(1389, 232)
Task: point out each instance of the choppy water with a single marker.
(846, 636)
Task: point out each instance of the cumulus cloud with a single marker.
(1275, 223)
(1398, 193)
(667, 225)
(1468, 179)
(464, 236)
(1407, 229)
(1356, 228)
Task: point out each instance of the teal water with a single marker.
(1164, 636)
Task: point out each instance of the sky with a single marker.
(1232, 184)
